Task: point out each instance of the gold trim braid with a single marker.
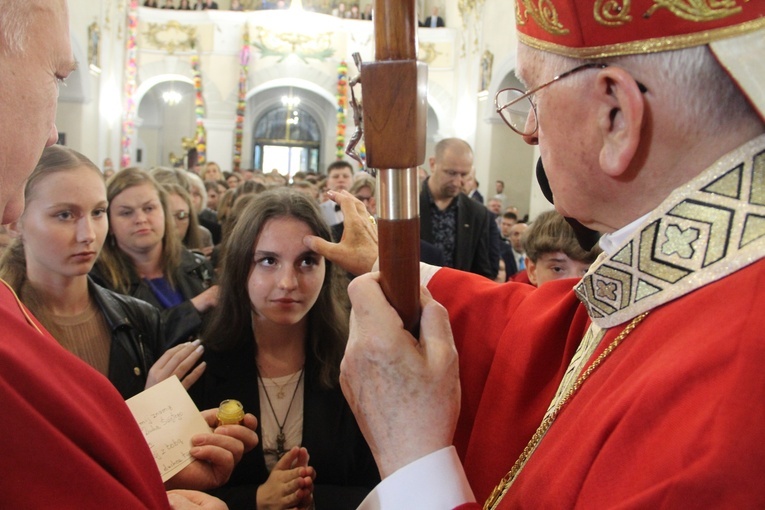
(654, 45)
(507, 481)
(21, 306)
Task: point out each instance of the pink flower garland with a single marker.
(342, 102)
(131, 70)
(241, 106)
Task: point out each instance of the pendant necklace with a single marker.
(280, 387)
(280, 437)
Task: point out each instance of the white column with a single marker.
(220, 141)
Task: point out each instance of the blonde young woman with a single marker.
(143, 257)
(58, 238)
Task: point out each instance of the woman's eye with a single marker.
(309, 262)
(267, 261)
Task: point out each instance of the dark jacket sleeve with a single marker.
(480, 234)
(180, 323)
(136, 338)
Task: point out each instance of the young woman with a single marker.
(144, 258)
(190, 232)
(275, 343)
(58, 239)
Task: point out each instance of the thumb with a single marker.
(320, 246)
(435, 331)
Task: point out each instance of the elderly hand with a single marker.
(178, 361)
(405, 394)
(357, 250)
(216, 453)
(290, 484)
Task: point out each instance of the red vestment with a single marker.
(674, 416)
(67, 439)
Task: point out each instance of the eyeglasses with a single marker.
(181, 215)
(514, 105)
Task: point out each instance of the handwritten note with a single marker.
(168, 418)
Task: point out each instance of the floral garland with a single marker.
(241, 106)
(342, 102)
(131, 70)
(199, 111)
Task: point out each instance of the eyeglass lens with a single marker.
(517, 113)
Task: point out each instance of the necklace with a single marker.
(280, 387)
(504, 485)
(280, 437)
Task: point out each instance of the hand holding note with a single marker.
(168, 419)
(178, 434)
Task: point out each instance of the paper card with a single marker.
(168, 419)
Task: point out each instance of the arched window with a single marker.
(286, 138)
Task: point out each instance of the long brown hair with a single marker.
(230, 326)
(13, 263)
(115, 265)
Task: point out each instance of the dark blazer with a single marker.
(471, 251)
(439, 21)
(511, 265)
(182, 322)
(137, 339)
(345, 468)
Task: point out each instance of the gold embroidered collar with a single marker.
(705, 230)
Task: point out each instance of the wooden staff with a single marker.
(394, 90)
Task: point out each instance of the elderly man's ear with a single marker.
(621, 109)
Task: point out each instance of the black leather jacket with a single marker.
(179, 323)
(136, 329)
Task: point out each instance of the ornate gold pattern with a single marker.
(470, 12)
(544, 13)
(283, 44)
(612, 12)
(645, 46)
(171, 36)
(697, 10)
(427, 52)
(706, 230)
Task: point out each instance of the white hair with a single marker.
(691, 82)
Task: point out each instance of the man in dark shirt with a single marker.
(449, 219)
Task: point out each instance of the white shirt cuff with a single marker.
(426, 273)
(434, 482)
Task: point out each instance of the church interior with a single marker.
(269, 86)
